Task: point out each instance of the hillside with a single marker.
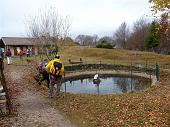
(95, 55)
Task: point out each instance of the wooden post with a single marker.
(157, 72)
(98, 91)
(150, 76)
(146, 66)
(100, 65)
(2, 78)
(65, 88)
(131, 75)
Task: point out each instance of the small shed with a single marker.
(18, 43)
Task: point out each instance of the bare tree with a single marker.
(86, 39)
(95, 39)
(106, 39)
(121, 35)
(80, 39)
(49, 28)
(137, 38)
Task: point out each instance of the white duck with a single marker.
(96, 76)
(96, 79)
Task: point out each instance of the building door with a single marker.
(15, 51)
(33, 50)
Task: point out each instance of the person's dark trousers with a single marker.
(46, 77)
(54, 80)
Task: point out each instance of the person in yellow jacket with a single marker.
(55, 69)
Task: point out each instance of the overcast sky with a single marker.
(101, 17)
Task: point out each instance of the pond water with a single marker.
(107, 85)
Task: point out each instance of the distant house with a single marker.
(17, 43)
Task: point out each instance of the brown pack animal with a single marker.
(29, 61)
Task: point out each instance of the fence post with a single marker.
(131, 76)
(157, 72)
(100, 66)
(64, 84)
(150, 75)
(146, 66)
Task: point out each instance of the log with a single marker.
(76, 62)
(2, 94)
(3, 83)
(2, 101)
(1, 89)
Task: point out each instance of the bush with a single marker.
(104, 44)
(55, 50)
(168, 53)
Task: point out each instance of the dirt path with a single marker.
(34, 110)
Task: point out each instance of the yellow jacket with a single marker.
(51, 69)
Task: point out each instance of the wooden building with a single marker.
(17, 43)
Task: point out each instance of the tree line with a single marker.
(53, 29)
(144, 36)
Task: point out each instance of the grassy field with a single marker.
(96, 55)
(150, 108)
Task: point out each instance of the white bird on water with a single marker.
(96, 79)
(96, 76)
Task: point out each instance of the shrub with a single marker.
(104, 44)
(168, 53)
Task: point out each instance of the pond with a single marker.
(107, 85)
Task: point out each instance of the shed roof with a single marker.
(19, 41)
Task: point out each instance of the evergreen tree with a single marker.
(152, 40)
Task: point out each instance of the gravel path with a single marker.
(34, 110)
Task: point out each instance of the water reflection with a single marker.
(105, 86)
(122, 83)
